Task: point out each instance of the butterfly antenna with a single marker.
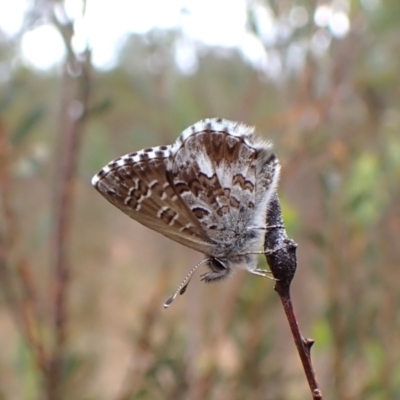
(183, 286)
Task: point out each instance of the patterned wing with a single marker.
(138, 185)
(226, 177)
(203, 192)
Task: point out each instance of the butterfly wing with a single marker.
(226, 177)
(203, 191)
(138, 185)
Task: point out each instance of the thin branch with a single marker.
(76, 90)
(281, 258)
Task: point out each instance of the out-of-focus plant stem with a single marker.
(74, 106)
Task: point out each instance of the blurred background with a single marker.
(82, 285)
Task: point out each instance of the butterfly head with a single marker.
(219, 269)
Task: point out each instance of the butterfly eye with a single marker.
(217, 265)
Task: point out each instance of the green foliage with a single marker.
(322, 335)
(365, 190)
(27, 373)
(26, 124)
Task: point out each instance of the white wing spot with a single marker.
(187, 226)
(176, 216)
(161, 210)
(95, 179)
(153, 183)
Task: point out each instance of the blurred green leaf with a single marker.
(364, 193)
(28, 374)
(322, 334)
(100, 107)
(375, 354)
(26, 125)
(291, 216)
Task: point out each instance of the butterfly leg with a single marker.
(262, 272)
(270, 251)
(259, 271)
(266, 227)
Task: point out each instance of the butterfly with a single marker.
(209, 191)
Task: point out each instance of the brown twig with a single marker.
(281, 258)
(73, 117)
